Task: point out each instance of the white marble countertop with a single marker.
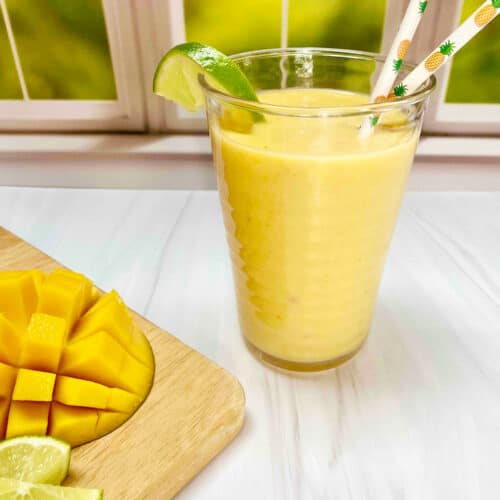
(415, 416)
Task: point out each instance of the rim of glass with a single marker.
(345, 110)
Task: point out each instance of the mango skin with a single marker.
(73, 363)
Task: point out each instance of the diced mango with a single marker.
(73, 363)
(109, 314)
(38, 278)
(122, 401)
(44, 343)
(4, 413)
(140, 375)
(95, 295)
(66, 295)
(72, 424)
(100, 357)
(11, 339)
(27, 418)
(33, 385)
(97, 357)
(142, 347)
(78, 281)
(7, 380)
(109, 420)
(18, 296)
(77, 392)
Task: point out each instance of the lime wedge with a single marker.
(37, 459)
(176, 76)
(13, 489)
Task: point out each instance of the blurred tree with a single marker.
(63, 49)
(9, 83)
(336, 23)
(65, 54)
(475, 70)
(256, 24)
(231, 27)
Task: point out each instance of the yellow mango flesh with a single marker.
(11, 340)
(73, 363)
(110, 314)
(33, 385)
(27, 418)
(99, 357)
(18, 296)
(65, 295)
(43, 343)
(8, 379)
(72, 424)
(108, 420)
(78, 392)
(8, 376)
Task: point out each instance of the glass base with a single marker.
(294, 366)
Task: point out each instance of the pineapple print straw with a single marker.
(439, 56)
(383, 86)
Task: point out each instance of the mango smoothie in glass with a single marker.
(309, 207)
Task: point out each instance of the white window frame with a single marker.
(124, 113)
(168, 21)
(141, 31)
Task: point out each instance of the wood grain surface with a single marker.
(193, 411)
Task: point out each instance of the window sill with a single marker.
(183, 162)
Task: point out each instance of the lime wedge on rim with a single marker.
(14, 489)
(176, 77)
(37, 459)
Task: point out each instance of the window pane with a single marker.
(9, 83)
(475, 70)
(336, 24)
(234, 26)
(63, 48)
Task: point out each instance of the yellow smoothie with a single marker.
(309, 211)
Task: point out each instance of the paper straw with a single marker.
(394, 60)
(450, 46)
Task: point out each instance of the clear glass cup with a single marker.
(309, 207)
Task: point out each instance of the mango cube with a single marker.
(11, 339)
(101, 357)
(107, 314)
(44, 342)
(73, 363)
(72, 424)
(77, 392)
(8, 379)
(140, 374)
(122, 401)
(65, 295)
(27, 418)
(33, 385)
(97, 357)
(111, 315)
(8, 376)
(38, 278)
(18, 296)
(109, 420)
(4, 414)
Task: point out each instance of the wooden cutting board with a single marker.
(193, 411)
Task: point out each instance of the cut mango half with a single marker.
(73, 362)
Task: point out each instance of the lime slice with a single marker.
(13, 489)
(37, 459)
(176, 76)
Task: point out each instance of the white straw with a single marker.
(394, 60)
(451, 45)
